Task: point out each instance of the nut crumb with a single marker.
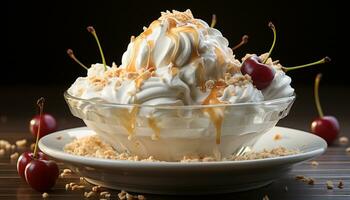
(13, 147)
(314, 163)
(96, 188)
(45, 195)
(299, 177)
(89, 194)
(340, 185)
(59, 137)
(67, 171)
(2, 152)
(310, 181)
(347, 150)
(277, 136)
(343, 140)
(329, 185)
(21, 143)
(14, 156)
(266, 197)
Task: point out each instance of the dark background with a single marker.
(39, 32)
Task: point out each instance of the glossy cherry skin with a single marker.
(41, 175)
(261, 74)
(48, 125)
(327, 127)
(24, 159)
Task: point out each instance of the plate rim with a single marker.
(109, 163)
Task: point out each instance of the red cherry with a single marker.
(41, 175)
(48, 125)
(326, 127)
(24, 159)
(261, 74)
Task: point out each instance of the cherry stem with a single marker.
(93, 32)
(40, 103)
(273, 28)
(323, 60)
(317, 97)
(213, 21)
(243, 41)
(72, 56)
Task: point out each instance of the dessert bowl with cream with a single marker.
(179, 91)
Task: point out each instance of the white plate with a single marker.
(186, 178)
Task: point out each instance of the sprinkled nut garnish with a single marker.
(96, 188)
(13, 147)
(14, 156)
(81, 179)
(343, 140)
(2, 152)
(277, 136)
(67, 171)
(67, 186)
(299, 177)
(329, 185)
(122, 195)
(89, 194)
(45, 195)
(310, 181)
(314, 163)
(209, 84)
(21, 143)
(340, 185)
(347, 150)
(266, 197)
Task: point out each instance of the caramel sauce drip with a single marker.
(216, 114)
(132, 64)
(153, 124)
(128, 120)
(219, 56)
(200, 77)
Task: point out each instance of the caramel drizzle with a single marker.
(128, 120)
(219, 56)
(200, 76)
(216, 114)
(156, 130)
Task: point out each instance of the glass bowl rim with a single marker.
(108, 104)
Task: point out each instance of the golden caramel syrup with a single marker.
(216, 114)
(131, 67)
(156, 130)
(200, 76)
(128, 120)
(219, 56)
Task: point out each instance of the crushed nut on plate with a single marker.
(343, 140)
(329, 185)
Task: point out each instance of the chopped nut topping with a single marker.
(45, 195)
(314, 163)
(347, 149)
(2, 152)
(209, 84)
(277, 136)
(21, 143)
(67, 171)
(96, 188)
(343, 140)
(14, 156)
(329, 185)
(340, 185)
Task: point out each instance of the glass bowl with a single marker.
(171, 132)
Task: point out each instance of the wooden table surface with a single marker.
(334, 165)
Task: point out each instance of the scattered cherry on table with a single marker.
(39, 172)
(326, 127)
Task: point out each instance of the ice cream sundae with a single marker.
(179, 60)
